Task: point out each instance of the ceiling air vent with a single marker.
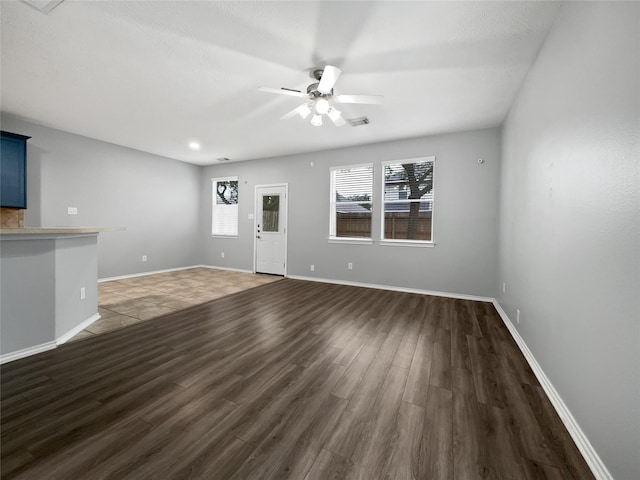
(222, 159)
(356, 122)
(45, 6)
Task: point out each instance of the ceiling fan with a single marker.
(321, 98)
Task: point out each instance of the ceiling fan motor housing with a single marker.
(312, 91)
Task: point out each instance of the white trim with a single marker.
(590, 455)
(351, 240)
(216, 267)
(429, 158)
(406, 243)
(231, 178)
(77, 329)
(143, 274)
(27, 352)
(350, 166)
(461, 296)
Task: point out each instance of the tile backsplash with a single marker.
(11, 218)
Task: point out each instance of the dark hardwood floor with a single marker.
(292, 379)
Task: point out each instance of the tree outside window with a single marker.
(224, 221)
(408, 200)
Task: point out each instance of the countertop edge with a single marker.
(57, 230)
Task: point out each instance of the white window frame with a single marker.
(332, 207)
(214, 187)
(402, 242)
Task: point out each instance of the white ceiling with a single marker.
(156, 75)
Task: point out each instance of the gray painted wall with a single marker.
(155, 198)
(27, 293)
(570, 221)
(40, 286)
(76, 267)
(464, 261)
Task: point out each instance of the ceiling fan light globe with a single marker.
(304, 111)
(316, 121)
(322, 106)
(334, 114)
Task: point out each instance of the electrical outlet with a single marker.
(144, 258)
(350, 266)
(72, 210)
(221, 254)
(83, 293)
(517, 315)
(504, 287)
(313, 268)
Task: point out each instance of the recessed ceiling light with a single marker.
(194, 146)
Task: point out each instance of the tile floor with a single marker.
(132, 300)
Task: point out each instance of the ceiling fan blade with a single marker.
(329, 77)
(303, 110)
(370, 99)
(283, 91)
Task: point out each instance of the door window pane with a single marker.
(270, 213)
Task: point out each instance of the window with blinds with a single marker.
(224, 220)
(351, 196)
(408, 200)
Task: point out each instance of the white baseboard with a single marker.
(592, 458)
(27, 352)
(226, 268)
(77, 329)
(154, 272)
(460, 296)
(144, 274)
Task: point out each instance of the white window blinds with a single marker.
(225, 206)
(351, 195)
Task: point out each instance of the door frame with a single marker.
(286, 222)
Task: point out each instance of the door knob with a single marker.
(257, 236)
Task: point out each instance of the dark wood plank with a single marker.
(407, 347)
(297, 462)
(483, 446)
(484, 367)
(567, 456)
(378, 432)
(417, 385)
(220, 462)
(539, 471)
(291, 379)
(328, 466)
(436, 451)
(403, 460)
(441, 362)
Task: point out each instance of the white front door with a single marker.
(271, 229)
